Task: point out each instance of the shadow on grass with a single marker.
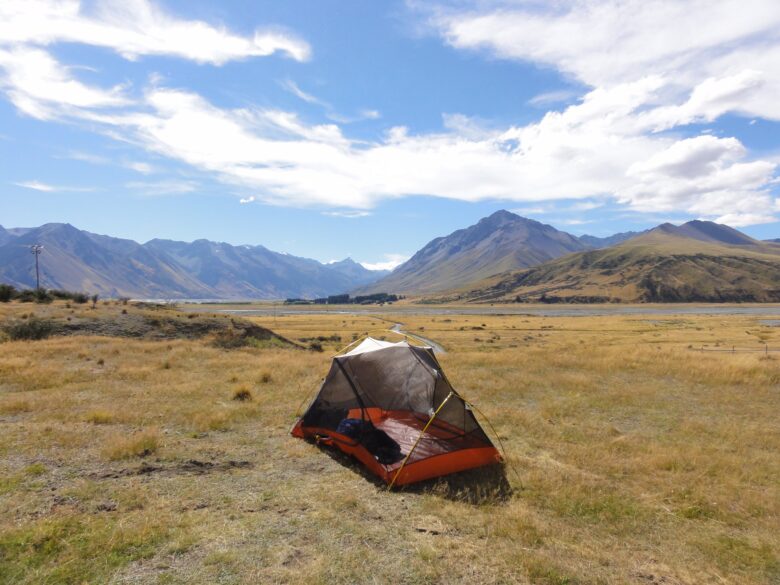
(484, 485)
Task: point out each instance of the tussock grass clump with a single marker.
(100, 417)
(266, 377)
(242, 394)
(141, 444)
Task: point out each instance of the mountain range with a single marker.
(498, 243)
(503, 257)
(697, 261)
(82, 261)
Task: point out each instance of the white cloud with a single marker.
(613, 143)
(349, 214)
(606, 43)
(330, 112)
(36, 186)
(744, 219)
(165, 187)
(391, 262)
(140, 167)
(293, 88)
(552, 97)
(42, 88)
(245, 200)
(94, 159)
(47, 188)
(135, 28)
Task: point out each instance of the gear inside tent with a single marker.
(390, 406)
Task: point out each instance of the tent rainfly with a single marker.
(390, 406)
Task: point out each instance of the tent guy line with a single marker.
(437, 348)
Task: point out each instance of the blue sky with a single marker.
(349, 128)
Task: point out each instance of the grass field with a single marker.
(634, 457)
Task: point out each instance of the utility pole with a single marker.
(36, 250)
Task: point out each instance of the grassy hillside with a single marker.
(656, 267)
(639, 458)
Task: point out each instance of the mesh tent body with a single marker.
(375, 404)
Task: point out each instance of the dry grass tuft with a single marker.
(211, 421)
(15, 407)
(100, 417)
(140, 444)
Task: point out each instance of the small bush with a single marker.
(315, 346)
(7, 293)
(242, 395)
(25, 296)
(265, 377)
(140, 444)
(30, 329)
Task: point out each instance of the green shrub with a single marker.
(32, 328)
(7, 293)
(76, 297)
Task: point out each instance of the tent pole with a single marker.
(425, 428)
(346, 347)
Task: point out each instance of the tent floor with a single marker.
(440, 450)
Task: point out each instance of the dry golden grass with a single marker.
(140, 444)
(639, 459)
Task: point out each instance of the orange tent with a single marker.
(390, 406)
